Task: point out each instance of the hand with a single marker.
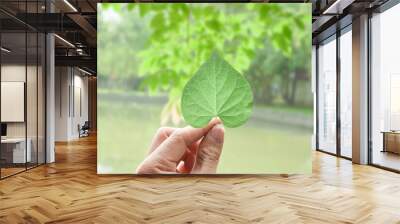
(185, 150)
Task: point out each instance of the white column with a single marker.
(50, 99)
(360, 90)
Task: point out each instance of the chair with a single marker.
(84, 130)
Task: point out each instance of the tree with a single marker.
(182, 36)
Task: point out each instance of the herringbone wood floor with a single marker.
(69, 191)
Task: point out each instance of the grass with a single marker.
(119, 91)
(126, 129)
(278, 107)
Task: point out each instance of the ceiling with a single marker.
(75, 23)
(330, 15)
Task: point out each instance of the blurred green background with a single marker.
(148, 51)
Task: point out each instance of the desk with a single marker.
(18, 151)
(391, 141)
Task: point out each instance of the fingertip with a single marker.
(214, 121)
(217, 133)
(191, 134)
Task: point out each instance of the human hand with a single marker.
(185, 150)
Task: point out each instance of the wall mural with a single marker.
(204, 88)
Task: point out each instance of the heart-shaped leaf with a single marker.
(217, 90)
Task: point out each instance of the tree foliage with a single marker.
(162, 45)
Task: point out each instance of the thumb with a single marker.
(209, 151)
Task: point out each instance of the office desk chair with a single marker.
(84, 130)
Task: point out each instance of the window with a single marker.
(346, 92)
(385, 89)
(327, 96)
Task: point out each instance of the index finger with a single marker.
(191, 135)
(162, 134)
(174, 147)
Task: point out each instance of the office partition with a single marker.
(15, 151)
(22, 77)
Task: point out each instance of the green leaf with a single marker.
(116, 7)
(105, 5)
(214, 24)
(131, 6)
(158, 21)
(144, 8)
(217, 90)
(299, 22)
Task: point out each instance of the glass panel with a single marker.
(41, 99)
(386, 89)
(327, 96)
(314, 91)
(23, 90)
(32, 90)
(13, 86)
(346, 94)
(31, 100)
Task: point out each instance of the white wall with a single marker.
(71, 93)
(79, 110)
(12, 73)
(62, 82)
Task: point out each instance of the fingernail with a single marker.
(217, 133)
(215, 120)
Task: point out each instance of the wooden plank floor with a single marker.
(69, 191)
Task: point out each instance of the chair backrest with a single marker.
(86, 124)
